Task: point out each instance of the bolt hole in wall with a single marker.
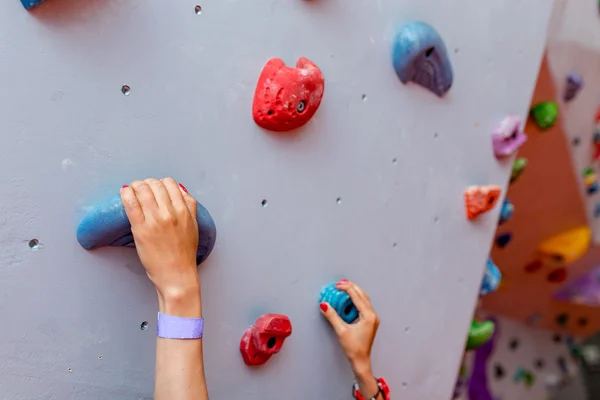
(35, 245)
(264, 203)
(144, 325)
(198, 10)
(364, 97)
(338, 200)
(125, 89)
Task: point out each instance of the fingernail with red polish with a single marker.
(323, 307)
(183, 188)
(124, 186)
(343, 281)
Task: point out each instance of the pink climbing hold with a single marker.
(287, 98)
(508, 136)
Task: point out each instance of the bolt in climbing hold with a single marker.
(480, 333)
(30, 4)
(503, 239)
(264, 338)
(491, 278)
(517, 169)
(508, 136)
(544, 114)
(107, 225)
(420, 55)
(574, 83)
(286, 98)
(506, 211)
(481, 199)
(341, 303)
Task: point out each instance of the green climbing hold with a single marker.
(589, 170)
(522, 374)
(479, 334)
(544, 114)
(518, 168)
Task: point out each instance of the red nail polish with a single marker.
(343, 281)
(183, 188)
(323, 307)
(124, 186)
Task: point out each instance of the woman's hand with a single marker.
(163, 222)
(357, 338)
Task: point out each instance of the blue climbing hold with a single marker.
(491, 278)
(29, 4)
(341, 303)
(506, 212)
(503, 239)
(420, 55)
(108, 225)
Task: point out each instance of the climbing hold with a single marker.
(562, 319)
(341, 303)
(479, 334)
(287, 98)
(107, 225)
(503, 239)
(30, 4)
(574, 83)
(558, 275)
(481, 199)
(517, 169)
(544, 114)
(264, 338)
(491, 278)
(524, 375)
(419, 55)
(506, 211)
(566, 247)
(508, 136)
(533, 266)
(596, 145)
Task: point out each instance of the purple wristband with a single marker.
(172, 327)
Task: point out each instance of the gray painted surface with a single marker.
(71, 139)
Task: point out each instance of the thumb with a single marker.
(332, 316)
(190, 201)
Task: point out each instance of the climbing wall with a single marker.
(98, 93)
(527, 363)
(551, 197)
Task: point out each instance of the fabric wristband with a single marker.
(172, 327)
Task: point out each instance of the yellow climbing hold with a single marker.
(566, 247)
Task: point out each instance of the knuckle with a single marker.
(169, 180)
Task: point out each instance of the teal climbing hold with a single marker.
(341, 303)
(30, 4)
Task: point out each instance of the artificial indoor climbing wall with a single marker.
(547, 283)
(526, 364)
(364, 180)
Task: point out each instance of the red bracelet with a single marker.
(383, 389)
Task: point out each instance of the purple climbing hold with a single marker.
(574, 84)
(508, 136)
(478, 384)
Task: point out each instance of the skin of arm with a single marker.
(163, 222)
(357, 339)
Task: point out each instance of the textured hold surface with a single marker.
(503, 239)
(491, 278)
(566, 247)
(506, 212)
(481, 199)
(30, 4)
(287, 98)
(508, 136)
(419, 55)
(265, 338)
(340, 301)
(107, 225)
(517, 169)
(479, 334)
(544, 114)
(574, 84)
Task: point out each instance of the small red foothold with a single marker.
(287, 98)
(481, 199)
(264, 338)
(558, 275)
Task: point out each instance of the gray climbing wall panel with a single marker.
(397, 156)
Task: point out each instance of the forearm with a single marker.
(179, 363)
(367, 383)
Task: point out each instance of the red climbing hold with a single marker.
(558, 275)
(265, 338)
(287, 98)
(481, 199)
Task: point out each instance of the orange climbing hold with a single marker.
(566, 247)
(481, 199)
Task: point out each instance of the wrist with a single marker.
(181, 301)
(362, 369)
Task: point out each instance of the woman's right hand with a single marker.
(357, 338)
